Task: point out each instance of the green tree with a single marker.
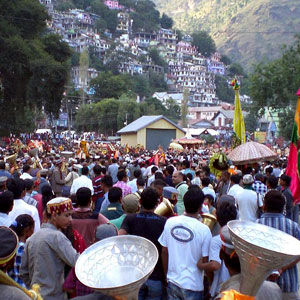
(204, 43)
(225, 59)
(251, 122)
(107, 85)
(235, 69)
(173, 110)
(166, 22)
(156, 58)
(224, 91)
(33, 65)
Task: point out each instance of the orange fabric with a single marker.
(234, 295)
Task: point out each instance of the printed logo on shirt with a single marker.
(182, 234)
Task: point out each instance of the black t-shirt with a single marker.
(150, 226)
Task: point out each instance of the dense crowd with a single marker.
(52, 208)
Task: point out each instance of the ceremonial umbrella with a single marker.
(251, 152)
(188, 141)
(176, 146)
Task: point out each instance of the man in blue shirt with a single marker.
(2, 170)
(273, 206)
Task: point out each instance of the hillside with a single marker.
(247, 31)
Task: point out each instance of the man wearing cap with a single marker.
(248, 201)
(49, 250)
(130, 205)
(3, 180)
(9, 242)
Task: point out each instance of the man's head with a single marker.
(106, 183)
(83, 197)
(193, 200)
(140, 183)
(2, 165)
(259, 177)
(130, 203)
(269, 171)
(97, 170)
(105, 231)
(236, 179)
(247, 180)
(137, 173)
(177, 177)
(85, 171)
(274, 202)
(115, 195)
(29, 184)
(149, 198)
(153, 170)
(59, 212)
(205, 182)
(226, 212)
(16, 186)
(26, 168)
(122, 175)
(186, 164)
(285, 180)
(272, 182)
(158, 185)
(6, 202)
(169, 170)
(9, 245)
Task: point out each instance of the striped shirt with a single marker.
(98, 192)
(288, 281)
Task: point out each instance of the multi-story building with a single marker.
(215, 65)
(113, 4)
(131, 67)
(83, 78)
(185, 49)
(124, 23)
(143, 39)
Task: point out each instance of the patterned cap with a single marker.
(248, 179)
(9, 244)
(59, 205)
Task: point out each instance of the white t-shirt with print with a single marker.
(187, 240)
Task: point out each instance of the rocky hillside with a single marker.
(248, 31)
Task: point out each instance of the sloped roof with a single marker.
(229, 114)
(143, 122)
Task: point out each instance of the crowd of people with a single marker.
(52, 211)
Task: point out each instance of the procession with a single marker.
(149, 150)
(87, 220)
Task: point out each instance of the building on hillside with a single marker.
(143, 39)
(124, 23)
(164, 96)
(113, 4)
(131, 67)
(168, 38)
(215, 65)
(185, 49)
(82, 80)
(150, 132)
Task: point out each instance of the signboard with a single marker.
(260, 136)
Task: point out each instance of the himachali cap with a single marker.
(59, 205)
(3, 179)
(170, 192)
(9, 244)
(247, 179)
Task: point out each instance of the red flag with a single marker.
(293, 167)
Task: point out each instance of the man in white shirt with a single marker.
(185, 241)
(26, 172)
(132, 183)
(235, 186)
(248, 201)
(17, 187)
(82, 181)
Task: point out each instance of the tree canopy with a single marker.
(34, 66)
(275, 84)
(204, 43)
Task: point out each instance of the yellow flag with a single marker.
(238, 120)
